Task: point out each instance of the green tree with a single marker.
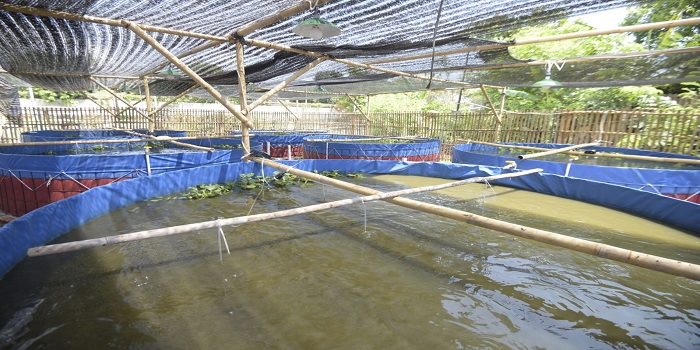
(577, 98)
(668, 10)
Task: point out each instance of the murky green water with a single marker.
(408, 280)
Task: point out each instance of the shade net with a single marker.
(67, 54)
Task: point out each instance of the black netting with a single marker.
(62, 54)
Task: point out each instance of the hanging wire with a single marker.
(432, 59)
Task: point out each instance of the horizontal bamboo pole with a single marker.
(168, 139)
(647, 261)
(552, 38)
(167, 231)
(366, 139)
(28, 10)
(279, 16)
(603, 155)
(150, 139)
(557, 150)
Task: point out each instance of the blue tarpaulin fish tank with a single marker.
(679, 180)
(32, 176)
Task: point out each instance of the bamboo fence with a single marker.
(674, 132)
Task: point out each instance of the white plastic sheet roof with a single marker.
(50, 51)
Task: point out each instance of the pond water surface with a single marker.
(366, 276)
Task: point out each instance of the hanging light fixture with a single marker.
(316, 27)
(548, 82)
(170, 73)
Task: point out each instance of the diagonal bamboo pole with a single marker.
(358, 108)
(597, 154)
(116, 95)
(185, 69)
(274, 18)
(286, 82)
(167, 231)
(558, 150)
(190, 89)
(95, 101)
(647, 261)
(288, 110)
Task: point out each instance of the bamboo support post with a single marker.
(557, 150)
(648, 261)
(167, 231)
(243, 98)
(185, 69)
(597, 154)
(149, 108)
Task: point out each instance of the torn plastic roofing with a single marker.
(61, 52)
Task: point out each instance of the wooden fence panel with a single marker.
(675, 132)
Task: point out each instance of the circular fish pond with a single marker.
(281, 144)
(365, 276)
(52, 167)
(372, 148)
(675, 175)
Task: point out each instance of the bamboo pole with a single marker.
(190, 89)
(170, 140)
(358, 108)
(243, 98)
(281, 15)
(606, 155)
(185, 69)
(557, 150)
(648, 261)
(107, 21)
(116, 95)
(167, 231)
(149, 108)
(95, 101)
(560, 37)
(53, 143)
(284, 83)
(288, 110)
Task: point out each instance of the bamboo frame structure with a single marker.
(135, 236)
(607, 155)
(185, 69)
(558, 150)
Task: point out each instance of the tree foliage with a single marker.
(661, 11)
